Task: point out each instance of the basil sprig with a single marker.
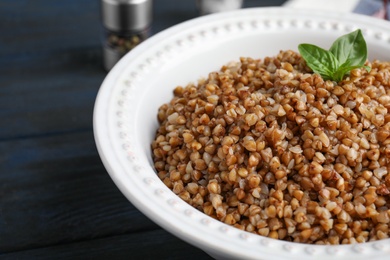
(348, 52)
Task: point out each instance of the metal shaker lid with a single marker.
(126, 15)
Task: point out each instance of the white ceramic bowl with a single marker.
(126, 111)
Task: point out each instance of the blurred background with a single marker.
(56, 198)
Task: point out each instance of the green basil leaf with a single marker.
(367, 68)
(321, 61)
(350, 49)
(343, 70)
(346, 53)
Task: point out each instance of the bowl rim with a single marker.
(117, 161)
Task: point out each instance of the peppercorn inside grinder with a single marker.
(126, 23)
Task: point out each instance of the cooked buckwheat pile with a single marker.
(271, 148)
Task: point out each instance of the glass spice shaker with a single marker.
(126, 23)
(215, 6)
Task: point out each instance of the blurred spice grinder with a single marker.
(216, 6)
(126, 24)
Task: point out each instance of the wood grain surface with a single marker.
(56, 199)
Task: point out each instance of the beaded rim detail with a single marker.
(125, 160)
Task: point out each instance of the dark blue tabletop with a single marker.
(56, 199)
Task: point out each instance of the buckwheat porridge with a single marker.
(269, 147)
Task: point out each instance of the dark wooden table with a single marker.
(56, 199)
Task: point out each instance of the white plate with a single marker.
(127, 103)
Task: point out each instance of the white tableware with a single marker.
(125, 115)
